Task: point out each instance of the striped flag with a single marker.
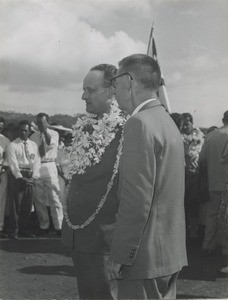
(162, 92)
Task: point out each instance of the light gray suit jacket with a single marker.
(149, 238)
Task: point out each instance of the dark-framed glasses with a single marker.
(113, 80)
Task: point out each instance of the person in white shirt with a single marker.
(3, 177)
(24, 164)
(62, 162)
(47, 141)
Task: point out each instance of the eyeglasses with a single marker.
(113, 80)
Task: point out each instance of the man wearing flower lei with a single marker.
(91, 203)
(193, 141)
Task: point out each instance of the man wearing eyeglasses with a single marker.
(148, 246)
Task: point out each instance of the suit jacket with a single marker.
(85, 193)
(211, 155)
(149, 238)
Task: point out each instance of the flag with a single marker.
(162, 92)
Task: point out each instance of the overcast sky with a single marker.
(47, 47)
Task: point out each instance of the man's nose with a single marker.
(84, 95)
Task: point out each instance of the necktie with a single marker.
(42, 148)
(26, 151)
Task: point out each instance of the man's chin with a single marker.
(88, 110)
(87, 107)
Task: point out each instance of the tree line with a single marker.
(12, 117)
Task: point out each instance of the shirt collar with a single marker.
(23, 141)
(137, 109)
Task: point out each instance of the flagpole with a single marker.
(162, 92)
(150, 38)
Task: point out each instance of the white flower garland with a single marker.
(87, 148)
(91, 136)
(103, 199)
(192, 145)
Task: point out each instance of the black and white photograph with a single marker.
(113, 149)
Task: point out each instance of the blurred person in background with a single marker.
(210, 158)
(223, 213)
(204, 192)
(211, 129)
(4, 141)
(177, 118)
(11, 131)
(62, 162)
(47, 186)
(24, 164)
(193, 139)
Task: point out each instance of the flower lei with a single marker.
(91, 136)
(192, 146)
(90, 139)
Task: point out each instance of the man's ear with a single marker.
(110, 91)
(127, 83)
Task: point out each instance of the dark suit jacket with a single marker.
(85, 193)
(149, 238)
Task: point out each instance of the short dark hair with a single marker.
(2, 120)
(225, 117)
(41, 115)
(144, 69)
(177, 118)
(109, 72)
(212, 128)
(24, 122)
(187, 116)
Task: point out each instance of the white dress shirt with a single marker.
(63, 160)
(4, 142)
(50, 150)
(18, 160)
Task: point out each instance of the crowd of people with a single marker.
(139, 184)
(32, 167)
(206, 210)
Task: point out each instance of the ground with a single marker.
(41, 268)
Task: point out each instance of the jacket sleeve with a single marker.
(136, 188)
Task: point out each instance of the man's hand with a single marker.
(26, 181)
(44, 124)
(23, 180)
(114, 270)
(32, 180)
